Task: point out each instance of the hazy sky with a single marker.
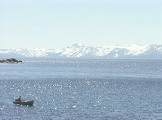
(61, 23)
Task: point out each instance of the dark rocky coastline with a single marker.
(11, 60)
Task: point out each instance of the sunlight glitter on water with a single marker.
(82, 89)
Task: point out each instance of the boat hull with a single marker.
(24, 102)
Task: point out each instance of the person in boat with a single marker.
(18, 99)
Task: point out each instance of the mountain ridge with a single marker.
(78, 50)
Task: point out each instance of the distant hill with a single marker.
(88, 52)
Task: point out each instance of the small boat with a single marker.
(24, 102)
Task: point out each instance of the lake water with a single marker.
(82, 89)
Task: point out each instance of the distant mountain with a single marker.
(88, 52)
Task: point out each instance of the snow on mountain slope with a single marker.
(83, 51)
(78, 50)
(136, 49)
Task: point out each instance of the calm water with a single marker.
(82, 89)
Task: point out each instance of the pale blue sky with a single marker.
(61, 23)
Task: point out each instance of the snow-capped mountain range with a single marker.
(88, 52)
